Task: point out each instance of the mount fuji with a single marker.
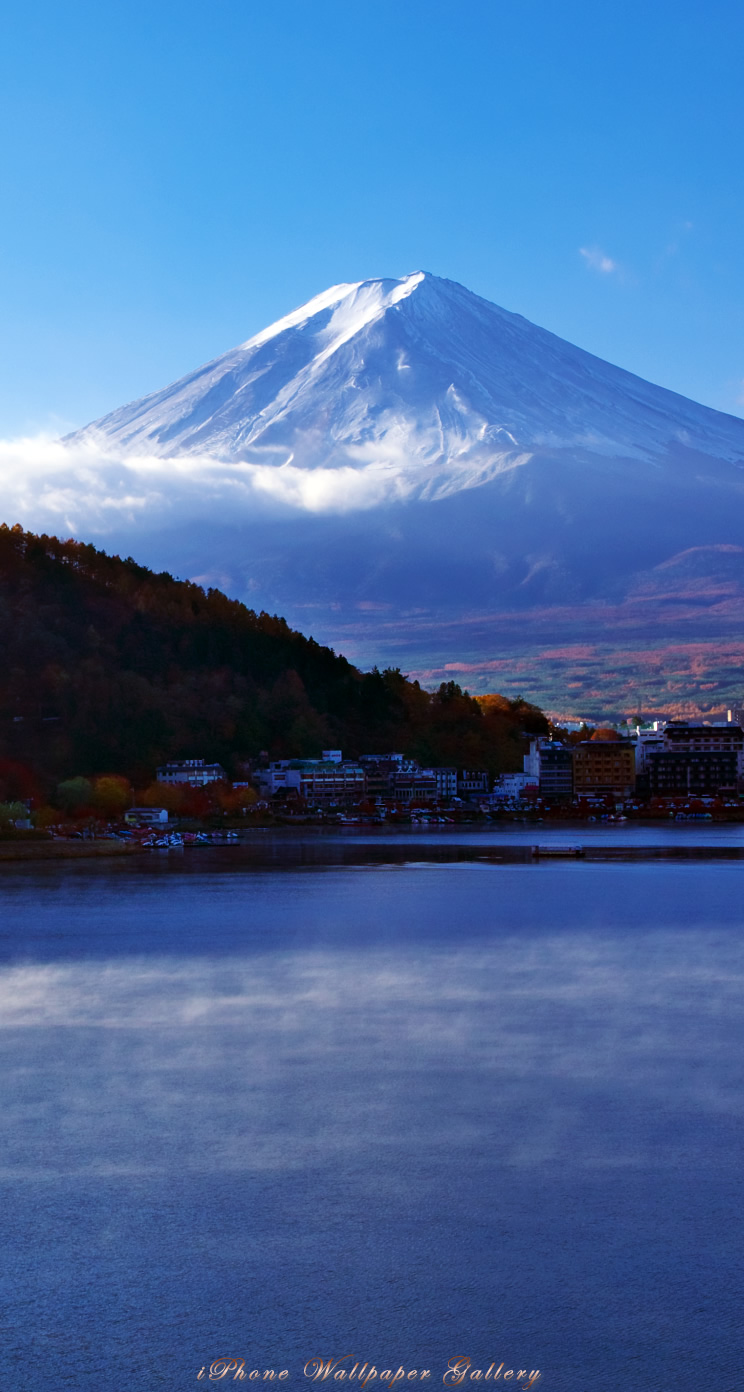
(422, 478)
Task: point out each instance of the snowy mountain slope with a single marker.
(419, 477)
(420, 375)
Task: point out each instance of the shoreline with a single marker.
(387, 851)
(65, 850)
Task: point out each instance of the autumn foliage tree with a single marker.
(112, 794)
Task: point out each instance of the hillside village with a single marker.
(678, 769)
(666, 761)
(671, 768)
(132, 695)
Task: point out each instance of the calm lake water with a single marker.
(262, 1108)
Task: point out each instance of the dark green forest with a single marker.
(108, 667)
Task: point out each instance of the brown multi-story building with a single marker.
(604, 764)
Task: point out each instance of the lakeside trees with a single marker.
(111, 670)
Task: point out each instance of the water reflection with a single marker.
(414, 1113)
(576, 1051)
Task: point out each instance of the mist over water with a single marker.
(407, 1112)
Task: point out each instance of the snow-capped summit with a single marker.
(418, 374)
(422, 478)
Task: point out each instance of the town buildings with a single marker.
(195, 773)
(670, 758)
(472, 784)
(691, 772)
(379, 778)
(694, 736)
(693, 757)
(511, 787)
(318, 781)
(414, 785)
(604, 764)
(556, 772)
(666, 759)
(146, 816)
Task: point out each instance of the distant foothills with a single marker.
(112, 670)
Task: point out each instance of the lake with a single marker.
(344, 1095)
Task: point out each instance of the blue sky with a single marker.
(175, 176)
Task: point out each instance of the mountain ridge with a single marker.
(335, 367)
(429, 480)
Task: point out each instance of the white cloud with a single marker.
(47, 485)
(598, 261)
(86, 488)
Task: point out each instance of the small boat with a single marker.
(558, 848)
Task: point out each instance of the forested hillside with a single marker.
(110, 667)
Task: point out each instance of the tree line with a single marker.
(110, 668)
